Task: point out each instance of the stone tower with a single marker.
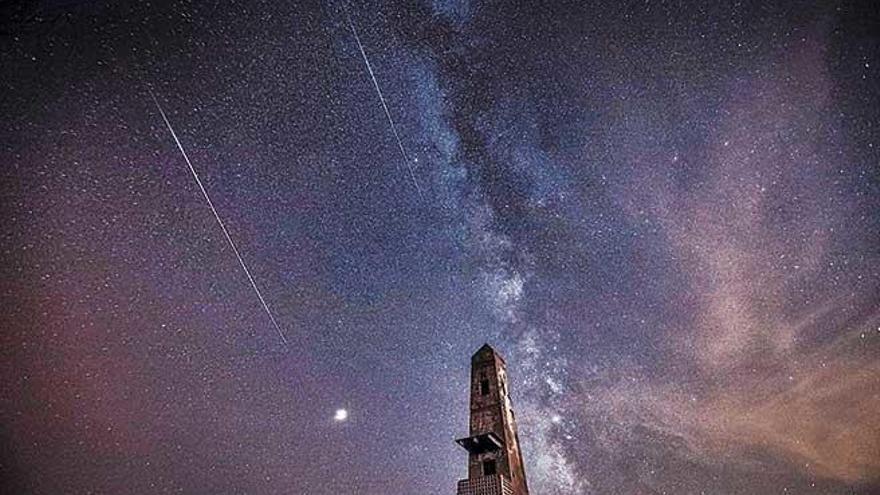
(495, 465)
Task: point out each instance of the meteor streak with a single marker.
(217, 216)
(384, 105)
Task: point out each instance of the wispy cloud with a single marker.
(781, 351)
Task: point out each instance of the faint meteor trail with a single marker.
(382, 100)
(217, 216)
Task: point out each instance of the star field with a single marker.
(663, 214)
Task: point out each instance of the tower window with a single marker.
(489, 467)
(484, 387)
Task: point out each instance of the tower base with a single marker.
(493, 484)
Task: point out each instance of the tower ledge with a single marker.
(478, 444)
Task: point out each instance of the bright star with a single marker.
(341, 415)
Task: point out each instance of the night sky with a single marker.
(666, 216)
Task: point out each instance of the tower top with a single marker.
(484, 347)
(485, 351)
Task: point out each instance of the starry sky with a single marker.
(663, 214)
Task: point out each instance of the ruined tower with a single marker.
(495, 465)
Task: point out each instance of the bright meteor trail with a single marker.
(219, 221)
(384, 105)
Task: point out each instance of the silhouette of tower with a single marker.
(495, 465)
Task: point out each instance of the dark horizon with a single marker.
(664, 215)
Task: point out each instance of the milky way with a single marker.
(664, 216)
